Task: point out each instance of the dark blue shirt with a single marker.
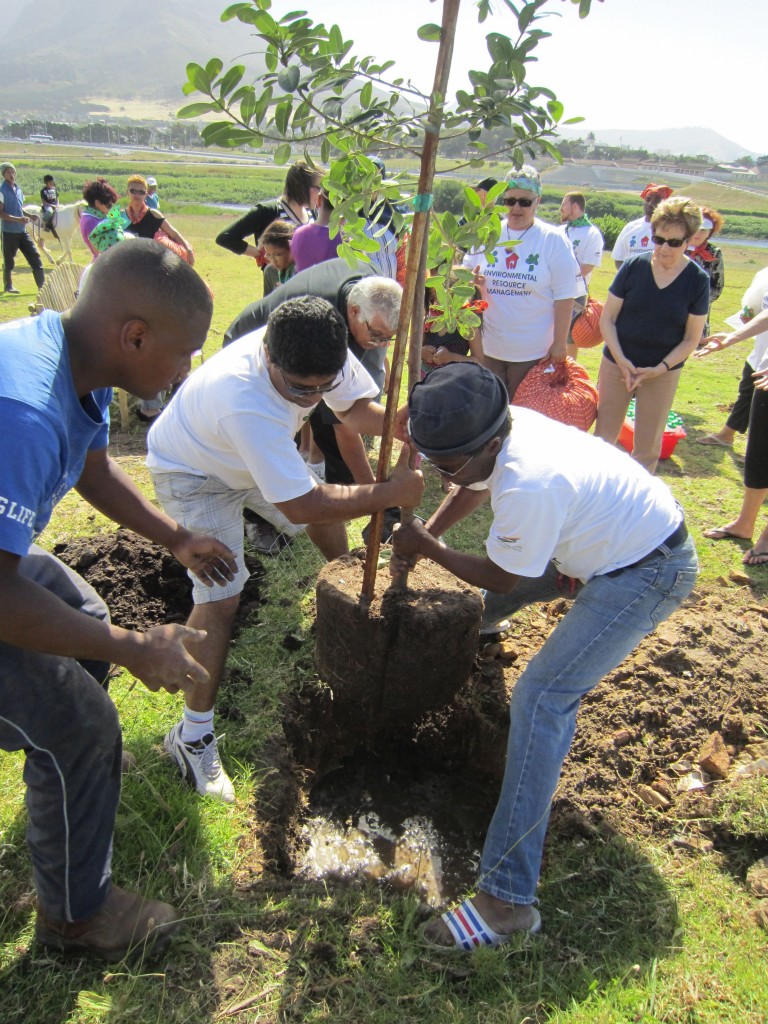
(652, 320)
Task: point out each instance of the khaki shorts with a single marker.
(207, 505)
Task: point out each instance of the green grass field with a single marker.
(258, 947)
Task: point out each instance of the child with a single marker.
(49, 200)
(275, 242)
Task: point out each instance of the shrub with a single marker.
(448, 196)
(610, 228)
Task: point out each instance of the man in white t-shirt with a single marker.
(587, 242)
(635, 237)
(564, 504)
(226, 442)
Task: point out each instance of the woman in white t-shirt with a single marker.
(529, 282)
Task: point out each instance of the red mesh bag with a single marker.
(163, 239)
(562, 391)
(585, 329)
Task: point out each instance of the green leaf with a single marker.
(288, 78)
(282, 153)
(231, 80)
(429, 33)
(282, 115)
(213, 67)
(198, 77)
(366, 95)
(555, 108)
(325, 151)
(196, 109)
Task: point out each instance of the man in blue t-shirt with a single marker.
(137, 321)
(13, 222)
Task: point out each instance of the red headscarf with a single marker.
(651, 191)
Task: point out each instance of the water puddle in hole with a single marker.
(398, 821)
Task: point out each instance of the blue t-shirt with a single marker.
(652, 320)
(13, 203)
(47, 429)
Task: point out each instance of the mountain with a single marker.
(683, 141)
(60, 56)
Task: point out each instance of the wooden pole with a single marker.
(417, 244)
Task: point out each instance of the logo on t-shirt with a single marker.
(512, 260)
(507, 540)
(532, 260)
(644, 241)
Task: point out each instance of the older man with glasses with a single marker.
(225, 443)
(529, 281)
(370, 306)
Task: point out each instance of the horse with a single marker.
(65, 222)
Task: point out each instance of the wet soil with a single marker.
(637, 748)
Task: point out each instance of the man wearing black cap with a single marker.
(564, 504)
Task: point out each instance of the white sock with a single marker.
(196, 724)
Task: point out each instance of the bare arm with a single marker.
(716, 342)
(364, 417)
(333, 502)
(174, 235)
(10, 218)
(563, 313)
(414, 541)
(34, 619)
(611, 310)
(352, 450)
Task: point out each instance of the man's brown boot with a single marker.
(126, 924)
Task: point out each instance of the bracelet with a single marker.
(664, 361)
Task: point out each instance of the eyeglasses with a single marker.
(444, 472)
(376, 337)
(301, 392)
(512, 201)
(673, 243)
(137, 191)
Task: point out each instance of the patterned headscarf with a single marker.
(526, 178)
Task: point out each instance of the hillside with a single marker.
(689, 141)
(60, 56)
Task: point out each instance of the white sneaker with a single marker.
(200, 765)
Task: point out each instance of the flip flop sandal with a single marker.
(470, 930)
(721, 533)
(753, 557)
(711, 439)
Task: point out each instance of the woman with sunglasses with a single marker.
(529, 283)
(652, 321)
(146, 222)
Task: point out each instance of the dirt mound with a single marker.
(143, 584)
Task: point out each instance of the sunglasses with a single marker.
(137, 191)
(301, 392)
(444, 472)
(511, 201)
(673, 243)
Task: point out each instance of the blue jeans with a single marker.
(608, 619)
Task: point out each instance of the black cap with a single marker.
(486, 184)
(456, 409)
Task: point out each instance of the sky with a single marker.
(636, 64)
